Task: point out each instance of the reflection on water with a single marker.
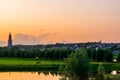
(36, 75)
(29, 76)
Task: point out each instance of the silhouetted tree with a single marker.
(76, 66)
(108, 55)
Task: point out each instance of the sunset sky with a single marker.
(51, 21)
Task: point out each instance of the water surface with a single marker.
(28, 76)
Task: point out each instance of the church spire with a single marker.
(10, 40)
(10, 37)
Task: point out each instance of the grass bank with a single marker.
(108, 66)
(18, 64)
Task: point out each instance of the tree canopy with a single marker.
(76, 66)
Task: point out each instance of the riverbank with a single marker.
(18, 64)
(108, 66)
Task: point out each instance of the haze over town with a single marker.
(67, 21)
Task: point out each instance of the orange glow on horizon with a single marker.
(70, 21)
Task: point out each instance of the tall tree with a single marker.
(118, 57)
(101, 73)
(108, 55)
(76, 66)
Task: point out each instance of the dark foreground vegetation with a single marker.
(29, 67)
(22, 64)
(35, 53)
(98, 55)
(78, 67)
(17, 64)
(73, 64)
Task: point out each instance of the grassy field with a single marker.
(17, 64)
(108, 66)
(19, 61)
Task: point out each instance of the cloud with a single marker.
(3, 43)
(26, 39)
(64, 41)
(47, 36)
(42, 29)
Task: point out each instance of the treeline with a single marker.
(100, 55)
(35, 53)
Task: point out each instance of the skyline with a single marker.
(51, 21)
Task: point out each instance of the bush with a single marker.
(76, 66)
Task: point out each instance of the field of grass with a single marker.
(19, 61)
(108, 66)
(17, 64)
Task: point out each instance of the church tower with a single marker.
(10, 41)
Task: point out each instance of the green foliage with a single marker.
(91, 53)
(7, 62)
(100, 55)
(108, 55)
(118, 57)
(101, 73)
(34, 52)
(24, 61)
(53, 53)
(17, 64)
(76, 66)
(115, 77)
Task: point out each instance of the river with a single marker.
(28, 76)
(35, 75)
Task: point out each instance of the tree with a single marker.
(118, 57)
(93, 56)
(90, 51)
(76, 66)
(100, 73)
(108, 55)
(100, 55)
